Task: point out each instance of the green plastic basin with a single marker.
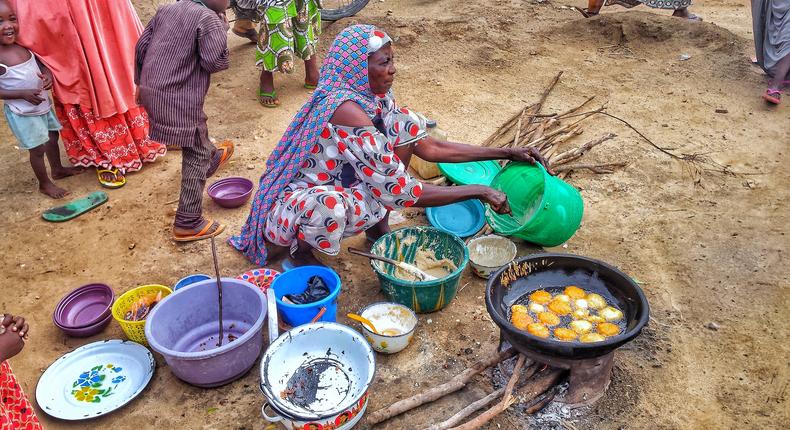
(545, 209)
(402, 245)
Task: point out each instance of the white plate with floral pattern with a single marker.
(95, 379)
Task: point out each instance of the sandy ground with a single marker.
(707, 249)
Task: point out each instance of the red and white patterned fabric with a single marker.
(120, 141)
(349, 182)
(16, 412)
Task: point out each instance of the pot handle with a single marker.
(267, 417)
(271, 304)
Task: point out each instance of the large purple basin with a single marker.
(231, 192)
(184, 328)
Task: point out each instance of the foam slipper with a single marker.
(113, 184)
(206, 233)
(75, 208)
(275, 102)
(227, 149)
(773, 96)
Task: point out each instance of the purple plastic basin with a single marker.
(231, 192)
(184, 328)
(86, 331)
(84, 307)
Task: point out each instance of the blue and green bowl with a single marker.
(402, 245)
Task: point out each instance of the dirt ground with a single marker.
(706, 249)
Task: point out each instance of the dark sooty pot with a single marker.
(560, 270)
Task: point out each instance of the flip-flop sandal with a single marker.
(75, 208)
(772, 96)
(309, 86)
(227, 149)
(115, 183)
(250, 34)
(205, 233)
(272, 95)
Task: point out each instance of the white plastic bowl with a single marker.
(488, 253)
(395, 322)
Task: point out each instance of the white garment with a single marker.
(24, 76)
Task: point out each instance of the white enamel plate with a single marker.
(95, 379)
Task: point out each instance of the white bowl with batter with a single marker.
(488, 253)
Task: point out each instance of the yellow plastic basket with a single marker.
(135, 330)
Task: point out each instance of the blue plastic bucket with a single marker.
(189, 280)
(294, 281)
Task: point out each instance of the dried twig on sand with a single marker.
(528, 393)
(455, 384)
(595, 168)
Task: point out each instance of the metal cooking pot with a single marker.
(315, 375)
(548, 270)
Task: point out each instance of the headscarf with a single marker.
(344, 77)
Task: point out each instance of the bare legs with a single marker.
(266, 94)
(51, 151)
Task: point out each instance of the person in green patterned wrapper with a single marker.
(289, 29)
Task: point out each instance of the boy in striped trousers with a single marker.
(180, 48)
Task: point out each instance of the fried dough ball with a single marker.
(608, 329)
(591, 337)
(520, 317)
(581, 314)
(548, 318)
(581, 326)
(564, 334)
(540, 296)
(581, 304)
(575, 292)
(536, 308)
(538, 329)
(611, 314)
(562, 298)
(595, 319)
(596, 301)
(560, 307)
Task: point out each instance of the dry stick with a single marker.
(541, 401)
(469, 410)
(573, 154)
(518, 131)
(513, 379)
(567, 127)
(455, 384)
(505, 127)
(595, 168)
(219, 289)
(534, 387)
(474, 407)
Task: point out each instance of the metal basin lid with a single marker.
(317, 370)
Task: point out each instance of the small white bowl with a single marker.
(395, 322)
(488, 253)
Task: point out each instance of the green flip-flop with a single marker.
(75, 208)
(272, 95)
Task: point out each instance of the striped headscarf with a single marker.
(344, 76)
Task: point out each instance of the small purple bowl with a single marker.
(84, 307)
(231, 192)
(86, 331)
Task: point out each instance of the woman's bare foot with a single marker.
(52, 190)
(65, 172)
(266, 95)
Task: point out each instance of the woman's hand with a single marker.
(496, 199)
(530, 155)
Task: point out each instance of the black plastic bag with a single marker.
(316, 290)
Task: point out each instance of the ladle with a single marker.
(414, 270)
(219, 289)
(363, 320)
